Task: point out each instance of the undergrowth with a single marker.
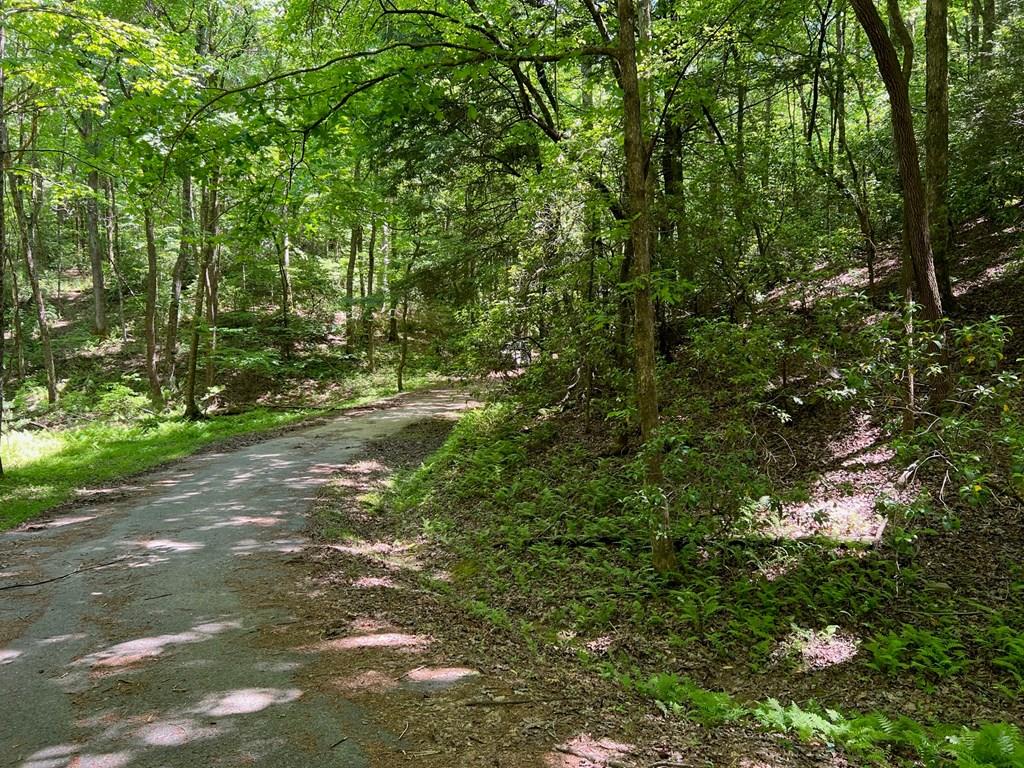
(547, 521)
(872, 737)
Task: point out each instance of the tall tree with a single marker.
(937, 141)
(152, 267)
(915, 204)
(186, 251)
(641, 235)
(92, 224)
(3, 226)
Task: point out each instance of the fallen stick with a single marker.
(505, 702)
(608, 762)
(63, 576)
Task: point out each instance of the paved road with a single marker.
(161, 658)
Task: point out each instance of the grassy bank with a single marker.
(538, 521)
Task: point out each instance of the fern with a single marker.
(996, 745)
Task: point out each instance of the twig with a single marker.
(342, 740)
(63, 576)
(505, 702)
(157, 597)
(410, 672)
(404, 731)
(608, 763)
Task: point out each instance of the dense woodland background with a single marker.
(749, 272)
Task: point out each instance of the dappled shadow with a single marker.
(136, 646)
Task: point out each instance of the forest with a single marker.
(700, 325)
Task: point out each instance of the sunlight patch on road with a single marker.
(145, 648)
(57, 639)
(105, 760)
(169, 545)
(60, 522)
(174, 732)
(239, 521)
(245, 701)
(56, 756)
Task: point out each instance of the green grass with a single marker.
(44, 468)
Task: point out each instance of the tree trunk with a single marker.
(192, 411)
(3, 231)
(368, 305)
(937, 142)
(92, 227)
(185, 250)
(284, 257)
(26, 227)
(905, 145)
(403, 354)
(988, 31)
(208, 221)
(404, 348)
(152, 371)
(114, 253)
(212, 276)
(637, 188)
(18, 352)
(355, 243)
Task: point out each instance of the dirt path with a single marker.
(182, 638)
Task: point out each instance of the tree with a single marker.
(937, 142)
(906, 150)
(641, 238)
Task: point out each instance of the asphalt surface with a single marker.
(153, 651)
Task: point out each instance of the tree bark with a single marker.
(403, 354)
(26, 229)
(937, 141)
(92, 227)
(18, 353)
(368, 305)
(355, 244)
(284, 257)
(905, 146)
(212, 276)
(3, 231)
(988, 31)
(114, 253)
(208, 221)
(185, 251)
(152, 370)
(640, 231)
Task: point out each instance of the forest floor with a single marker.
(195, 621)
(480, 694)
